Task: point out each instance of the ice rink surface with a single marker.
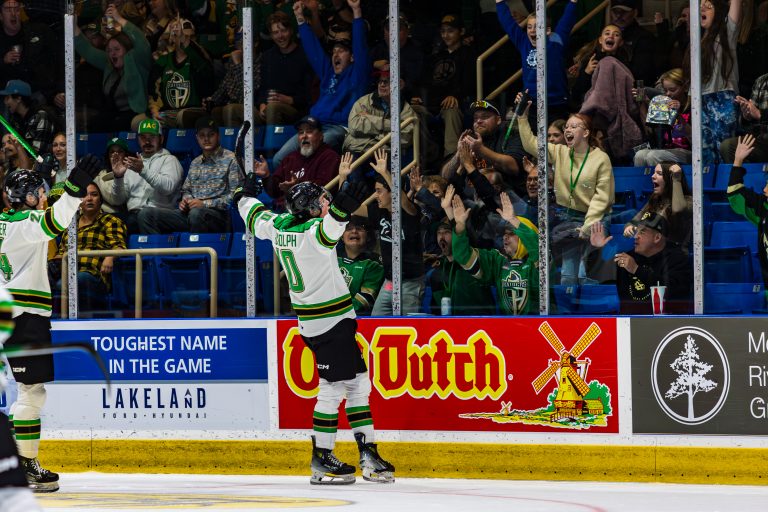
(213, 493)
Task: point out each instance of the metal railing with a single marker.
(139, 266)
(501, 42)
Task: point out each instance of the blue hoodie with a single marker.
(337, 92)
(557, 82)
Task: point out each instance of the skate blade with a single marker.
(320, 478)
(44, 487)
(381, 477)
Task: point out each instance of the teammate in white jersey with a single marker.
(15, 495)
(25, 230)
(305, 241)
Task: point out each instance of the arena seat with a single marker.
(733, 298)
(598, 299)
(734, 234)
(124, 274)
(93, 143)
(186, 278)
(727, 265)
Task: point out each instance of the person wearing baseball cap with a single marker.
(515, 271)
(449, 279)
(150, 179)
(654, 261)
(369, 120)
(36, 126)
(344, 78)
(314, 161)
(492, 143)
(452, 83)
(639, 43)
(206, 193)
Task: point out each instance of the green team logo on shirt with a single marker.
(177, 90)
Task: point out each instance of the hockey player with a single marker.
(15, 495)
(25, 230)
(304, 240)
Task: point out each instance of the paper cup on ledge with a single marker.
(658, 299)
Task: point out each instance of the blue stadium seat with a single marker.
(566, 298)
(598, 299)
(182, 143)
(622, 243)
(734, 234)
(228, 137)
(733, 298)
(708, 175)
(232, 276)
(124, 275)
(721, 211)
(264, 266)
(637, 179)
(274, 138)
(755, 177)
(624, 200)
(727, 265)
(94, 143)
(132, 139)
(186, 278)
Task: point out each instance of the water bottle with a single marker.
(445, 306)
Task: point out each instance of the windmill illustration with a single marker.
(570, 373)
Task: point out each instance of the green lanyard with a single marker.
(574, 183)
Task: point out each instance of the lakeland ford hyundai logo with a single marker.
(690, 375)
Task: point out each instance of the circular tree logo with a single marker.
(690, 375)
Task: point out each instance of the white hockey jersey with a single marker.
(24, 237)
(306, 251)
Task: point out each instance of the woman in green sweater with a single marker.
(516, 272)
(584, 191)
(125, 65)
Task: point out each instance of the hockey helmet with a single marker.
(304, 197)
(21, 183)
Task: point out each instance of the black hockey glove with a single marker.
(348, 200)
(252, 187)
(87, 168)
(47, 168)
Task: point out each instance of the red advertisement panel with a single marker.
(481, 374)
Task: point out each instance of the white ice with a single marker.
(214, 493)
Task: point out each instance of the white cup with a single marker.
(657, 299)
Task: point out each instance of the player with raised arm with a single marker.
(305, 240)
(25, 230)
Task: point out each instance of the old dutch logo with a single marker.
(690, 375)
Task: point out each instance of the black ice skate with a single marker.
(375, 469)
(39, 478)
(328, 470)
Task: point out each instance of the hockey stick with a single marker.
(21, 140)
(44, 350)
(239, 148)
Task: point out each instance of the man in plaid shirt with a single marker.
(207, 192)
(96, 230)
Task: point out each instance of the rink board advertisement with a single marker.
(699, 376)
(470, 374)
(197, 374)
